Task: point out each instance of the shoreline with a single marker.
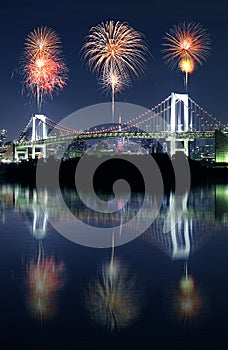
(109, 171)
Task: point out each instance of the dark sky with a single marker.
(72, 19)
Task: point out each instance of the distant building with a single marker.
(3, 134)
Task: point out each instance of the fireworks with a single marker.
(113, 81)
(111, 300)
(188, 303)
(44, 279)
(186, 65)
(187, 44)
(115, 50)
(43, 69)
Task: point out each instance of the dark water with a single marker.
(158, 290)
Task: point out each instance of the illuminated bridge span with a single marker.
(176, 118)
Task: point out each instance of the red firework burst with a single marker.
(43, 68)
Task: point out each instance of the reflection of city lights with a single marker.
(44, 279)
(111, 300)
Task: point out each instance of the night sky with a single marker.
(72, 19)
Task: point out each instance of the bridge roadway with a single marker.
(23, 147)
(189, 135)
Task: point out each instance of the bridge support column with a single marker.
(44, 150)
(24, 152)
(33, 151)
(16, 154)
(172, 146)
(27, 153)
(173, 113)
(33, 128)
(186, 147)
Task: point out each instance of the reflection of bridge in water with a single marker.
(198, 222)
(176, 118)
(177, 234)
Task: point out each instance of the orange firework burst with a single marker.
(115, 48)
(186, 65)
(187, 44)
(43, 68)
(44, 279)
(42, 41)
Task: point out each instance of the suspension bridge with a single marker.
(176, 119)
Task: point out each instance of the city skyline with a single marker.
(72, 21)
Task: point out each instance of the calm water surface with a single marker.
(159, 290)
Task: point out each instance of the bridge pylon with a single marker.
(37, 132)
(179, 119)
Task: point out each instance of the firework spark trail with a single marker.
(43, 68)
(186, 45)
(115, 49)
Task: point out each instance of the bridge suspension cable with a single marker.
(24, 130)
(197, 116)
(209, 115)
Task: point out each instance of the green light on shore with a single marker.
(222, 158)
(221, 147)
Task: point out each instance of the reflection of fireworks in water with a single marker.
(115, 48)
(187, 304)
(44, 279)
(43, 68)
(111, 300)
(186, 45)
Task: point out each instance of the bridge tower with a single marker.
(36, 130)
(179, 119)
(39, 132)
